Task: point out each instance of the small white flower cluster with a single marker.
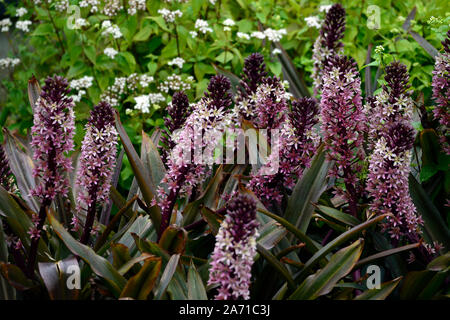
(228, 23)
(21, 12)
(379, 49)
(110, 52)
(325, 8)
(170, 16)
(93, 3)
(80, 22)
(243, 35)
(145, 80)
(8, 63)
(193, 34)
(144, 102)
(5, 24)
(112, 7)
(175, 83)
(274, 35)
(135, 6)
(61, 6)
(276, 51)
(177, 61)
(202, 26)
(111, 29)
(80, 85)
(23, 25)
(313, 21)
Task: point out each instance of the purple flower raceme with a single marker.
(52, 139)
(194, 145)
(387, 182)
(328, 43)
(97, 162)
(298, 142)
(343, 124)
(392, 104)
(253, 75)
(441, 91)
(232, 258)
(178, 111)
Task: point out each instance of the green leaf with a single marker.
(140, 285)
(43, 29)
(307, 191)
(212, 218)
(380, 294)
(98, 264)
(440, 263)
(126, 61)
(34, 91)
(276, 264)
(323, 281)
(15, 276)
(143, 34)
(91, 53)
(152, 159)
(196, 288)
(386, 253)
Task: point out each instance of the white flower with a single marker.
(136, 5)
(325, 8)
(229, 23)
(202, 26)
(93, 3)
(193, 34)
(8, 63)
(80, 22)
(142, 103)
(379, 49)
(258, 35)
(274, 35)
(276, 51)
(170, 16)
(242, 35)
(177, 61)
(23, 25)
(21, 12)
(313, 21)
(111, 29)
(5, 24)
(110, 52)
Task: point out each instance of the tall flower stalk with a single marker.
(97, 162)
(343, 125)
(298, 142)
(441, 91)
(52, 139)
(232, 258)
(328, 43)
(178, 111)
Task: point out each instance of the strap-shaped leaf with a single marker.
(56, 276)
(380, 294)
(196, 287)
(140, 285)
(323, 281)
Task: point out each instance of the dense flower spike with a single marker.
(343, 123)
(177, 111)
(202, 131)
(253, 75)
(298, 142)
(235, 249)
(392, 104)
(328, 43)
(441, 91)
(6, 180)
(97, 162)
(389, 167)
